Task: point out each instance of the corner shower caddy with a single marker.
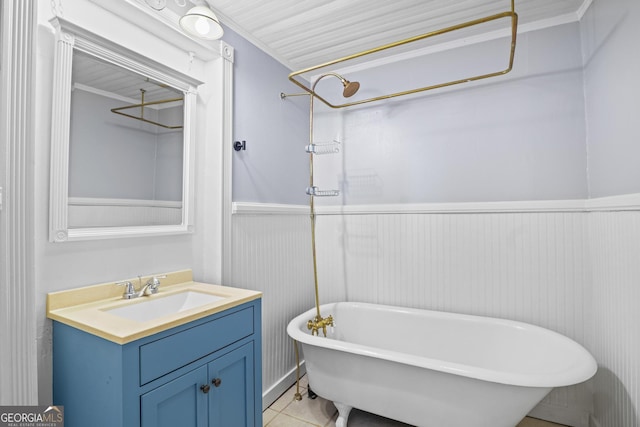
(320, 149)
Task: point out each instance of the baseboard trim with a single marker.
(275, 391)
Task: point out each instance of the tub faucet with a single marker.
(318, 323)
(151, 287)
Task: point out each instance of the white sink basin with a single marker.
(153, 308)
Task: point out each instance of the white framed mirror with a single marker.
(122, 139)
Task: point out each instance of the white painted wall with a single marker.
(70, 265)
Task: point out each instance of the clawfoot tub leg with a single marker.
(343, 414)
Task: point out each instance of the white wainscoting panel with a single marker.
(272, 254)
(525, 266)
(571, 267)
(615, 256)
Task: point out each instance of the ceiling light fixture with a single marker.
(202, 23)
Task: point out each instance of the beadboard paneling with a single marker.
(272, 254)
(525, 266)
(528, 266)
(615, 257)
(574, 269)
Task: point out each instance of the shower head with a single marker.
(350, 88)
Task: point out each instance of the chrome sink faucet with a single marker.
(129, 290)
(150, 288)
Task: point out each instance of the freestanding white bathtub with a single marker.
(436, 369)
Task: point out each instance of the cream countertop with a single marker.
(87, 308)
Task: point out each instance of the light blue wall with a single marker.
(274, 166)
(520, 136)
(561, 125)
(612, 65)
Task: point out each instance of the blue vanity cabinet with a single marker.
(221, 394)
(206, 373)
(180, 402)
(231, 378)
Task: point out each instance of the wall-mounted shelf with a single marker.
(320, 148)
(316, 192)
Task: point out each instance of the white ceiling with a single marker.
(304, 33)
(115, 81)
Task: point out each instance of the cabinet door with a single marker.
(180, 402)
(232, 384)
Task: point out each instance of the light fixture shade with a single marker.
(202, 23)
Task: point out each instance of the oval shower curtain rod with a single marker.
(508, 14)
(143, 104)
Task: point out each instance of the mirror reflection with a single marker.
(126, 145)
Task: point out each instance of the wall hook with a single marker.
(238, 146)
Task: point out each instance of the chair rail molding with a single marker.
(623, 202)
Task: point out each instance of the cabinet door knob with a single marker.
(205, 388)
(216, 382)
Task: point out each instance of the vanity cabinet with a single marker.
(220, 392)
(203, 373)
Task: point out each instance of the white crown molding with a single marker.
(583, 8)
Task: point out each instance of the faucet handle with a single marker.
(129, 289)
(155, 280)
(152, 285)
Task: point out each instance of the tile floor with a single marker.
(287, 412)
